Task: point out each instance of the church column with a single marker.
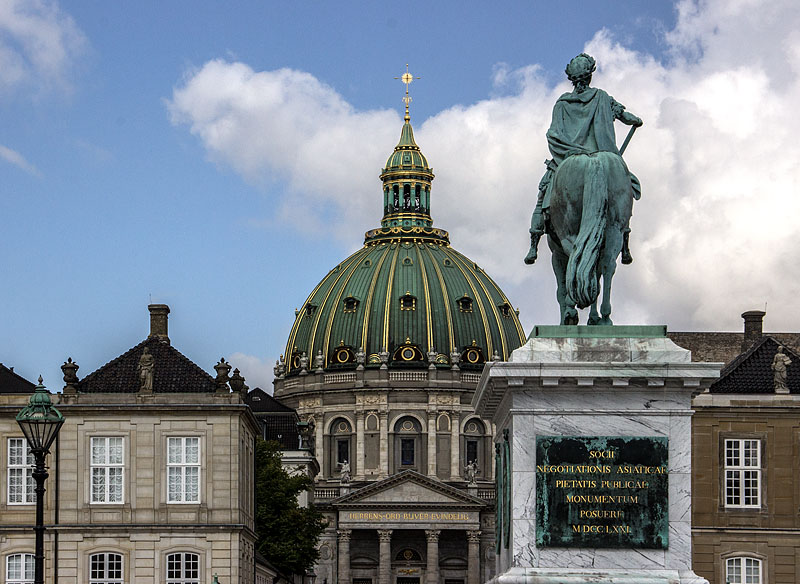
(385, 556)
(432, 567)
(319, 453)
(344, 555)
(384, 451)
(474, 557)
(431, 444)
(358, 456)
(455, 446)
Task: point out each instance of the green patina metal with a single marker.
(585, 196)
(405, 287)
(599, 331)
(602, 492)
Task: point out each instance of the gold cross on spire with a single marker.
(407, 78)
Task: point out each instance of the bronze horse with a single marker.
(590, 211)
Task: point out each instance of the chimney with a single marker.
(158, 322)
(753, 321)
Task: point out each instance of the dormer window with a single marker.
(505, 309)
(309, 309)
(408, 302)
(343, 354)
(464, 304)
(472, 355)
(350, 304)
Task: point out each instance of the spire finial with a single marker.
(407, 78)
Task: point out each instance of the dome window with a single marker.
(505, 309)
(472, 355)
(350, 304)
(295, 359)
(408, 302)
(343, 354)
(448, 263)
(464, 304)
(408, 352)
(367, 263)
(309, 309)
(408, 262)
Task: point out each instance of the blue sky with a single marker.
(222, 157)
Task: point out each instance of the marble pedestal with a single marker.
(593, 381)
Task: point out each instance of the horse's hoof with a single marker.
(593, 321)
(531, 257)
(627, 258)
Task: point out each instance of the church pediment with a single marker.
(409, 489)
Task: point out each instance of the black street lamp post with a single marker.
(40, 422)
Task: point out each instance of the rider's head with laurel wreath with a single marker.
(580, 70)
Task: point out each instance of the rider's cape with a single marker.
(583, 123)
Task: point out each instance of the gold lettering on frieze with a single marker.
(407, 516)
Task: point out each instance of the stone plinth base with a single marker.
(593, 385)
(565, 576)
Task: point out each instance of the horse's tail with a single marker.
(581, 277)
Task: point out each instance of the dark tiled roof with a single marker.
(173, 372)
(751, 371)
(717, 347)
(11, 382)
(260, 401)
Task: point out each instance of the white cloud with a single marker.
(17, 159)
(256, 371)
(38, 45)
(714, 234)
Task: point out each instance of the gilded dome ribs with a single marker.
(389, 303)
(342, 269)
(446, 301)
(428, 319)
(352, 267)
(486, 331)
(368, 307)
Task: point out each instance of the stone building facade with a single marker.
(381, 363)
(150, 478)
(746, 464)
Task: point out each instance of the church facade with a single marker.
(381, 363)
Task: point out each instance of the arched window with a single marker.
(743, 570)
(474, 442)
(183, 568)
(19, 568)
(105, 569)
(340, 451)
(407, 444)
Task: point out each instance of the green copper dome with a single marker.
(406, 298)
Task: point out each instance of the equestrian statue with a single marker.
(585, 196)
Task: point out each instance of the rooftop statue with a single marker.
(585, 196)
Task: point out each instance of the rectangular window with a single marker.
(20, 473)
(407, 451)
(107, 469)
(743, 473)
(183, 470)
(472, 451)
(343, 451)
